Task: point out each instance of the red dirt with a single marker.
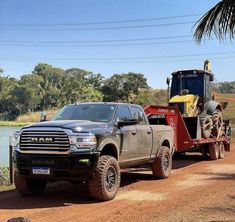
(197, 190)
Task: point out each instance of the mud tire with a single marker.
(28, 186)
(162, 164)
(105, 183)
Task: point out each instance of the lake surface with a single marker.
(5, 132)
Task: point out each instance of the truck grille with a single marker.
(44, 141)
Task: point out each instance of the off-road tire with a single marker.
(161, 166)
(105, 183)
(214, 151)
(28, 186)
(221, 150)
(206, 125)
(217, 119)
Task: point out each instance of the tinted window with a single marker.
(123, 113)
(137, 113)
(92, 112)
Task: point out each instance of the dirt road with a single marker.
(198, 190)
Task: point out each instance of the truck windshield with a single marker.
(92, 112)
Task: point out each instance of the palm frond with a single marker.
(219, 20)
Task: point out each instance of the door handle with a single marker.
(149, 132)
(133, 132)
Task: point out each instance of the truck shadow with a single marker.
(65, 194)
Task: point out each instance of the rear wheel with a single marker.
(217, 120)
(28, 186)
(214, 151)
(105, 183)
(162, 164)
(221, 150)
(206, 125)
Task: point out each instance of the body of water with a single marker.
(5, 132)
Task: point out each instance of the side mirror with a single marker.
(168, 81)
(127, 122)
(43, 116)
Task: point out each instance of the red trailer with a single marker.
(187, 132)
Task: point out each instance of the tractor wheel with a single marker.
(221, 151)
(105, 183)
(214, 151)
(206, 125)
(217, 120)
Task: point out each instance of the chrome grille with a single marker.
(41, 140)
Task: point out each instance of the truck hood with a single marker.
(74, 125)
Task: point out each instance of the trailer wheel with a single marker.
(214, 151)
(221, 150)
(28, 186)
(105, 183)
(162, 164)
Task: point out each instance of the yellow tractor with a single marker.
(191, 92)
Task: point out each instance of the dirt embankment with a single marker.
(198, 190)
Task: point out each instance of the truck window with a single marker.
(123, 113)
(136, 112)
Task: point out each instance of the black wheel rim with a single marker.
(166, 162)
(110, 179)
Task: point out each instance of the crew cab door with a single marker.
(144, 133)
(128, 134)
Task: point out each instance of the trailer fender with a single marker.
(211, 106)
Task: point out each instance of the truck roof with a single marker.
(106, 103)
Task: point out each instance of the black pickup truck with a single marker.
(90, 142)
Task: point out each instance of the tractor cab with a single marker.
(190, 90)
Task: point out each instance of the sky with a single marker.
(109, 37)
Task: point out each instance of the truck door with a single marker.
(128, 134)
(144, 134)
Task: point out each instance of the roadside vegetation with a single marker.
(5, 180)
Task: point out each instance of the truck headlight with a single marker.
(15, 139)
(83, 140)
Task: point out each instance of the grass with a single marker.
(13, 123)
(229, 112)
(35, 116)
(5, 180)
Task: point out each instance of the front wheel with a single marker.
(162, 164)
(28, 186)
(105, 183)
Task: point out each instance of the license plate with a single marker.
(41, 170)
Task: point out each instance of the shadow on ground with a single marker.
(66, 194)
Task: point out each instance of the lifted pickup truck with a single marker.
(90, 142)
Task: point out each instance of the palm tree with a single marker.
(219, 20)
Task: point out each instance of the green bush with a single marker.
(4, 176)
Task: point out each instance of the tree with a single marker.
(220, 20)
(121, 87)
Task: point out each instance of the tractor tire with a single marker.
(162, 164)
(206, 125)
(217, 120)
(28, 186)
(221, 151)
(105, 183)
(214, 151)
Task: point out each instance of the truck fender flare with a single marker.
(165, 142)
(111, 143)
(211, 106)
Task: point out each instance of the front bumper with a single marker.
(76, 166)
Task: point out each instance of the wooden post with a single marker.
(10, 161)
